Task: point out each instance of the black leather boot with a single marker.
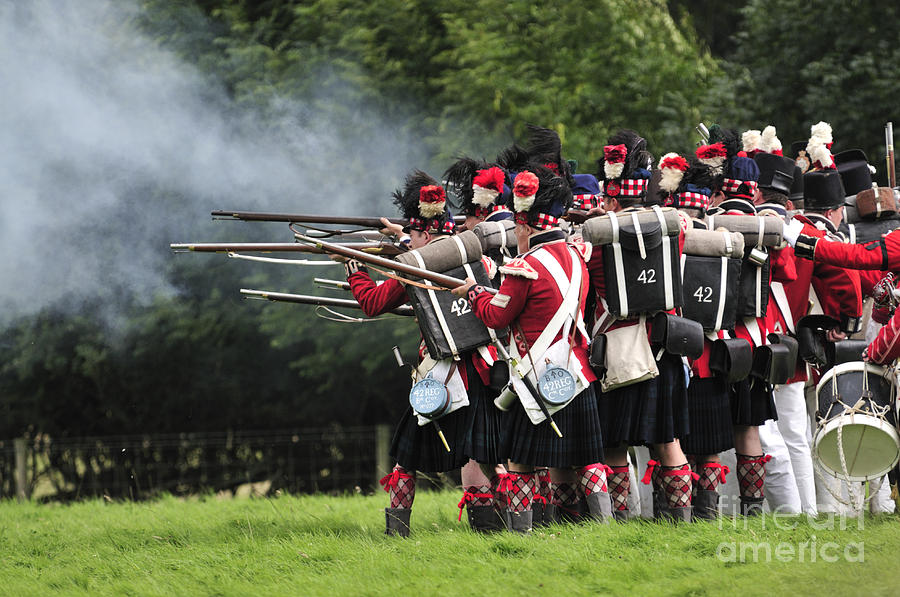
(397, 521)
(751, 506)
(599, 506)
(706, 504)
(518, 522)
(484, 519)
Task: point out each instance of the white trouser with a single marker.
(640, 493)
(790, 483)
(780, 489)
(730, 490)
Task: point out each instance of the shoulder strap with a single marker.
(778, 293)
(667, 261)
(569, 307)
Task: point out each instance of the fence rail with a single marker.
(140, 466)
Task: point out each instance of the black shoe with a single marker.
(518, 522)
(599, 506)
(706, 504)
(397, 521)
(484, 519)
(751, 506)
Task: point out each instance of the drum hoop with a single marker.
(866, 420)
(848, 367)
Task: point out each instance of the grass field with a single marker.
(319, 545)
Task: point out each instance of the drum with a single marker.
(856, 435)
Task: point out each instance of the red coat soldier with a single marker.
(542, 301)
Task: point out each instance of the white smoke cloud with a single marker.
(113, 147)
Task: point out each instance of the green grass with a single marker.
(319, 545)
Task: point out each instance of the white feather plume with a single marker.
(613, 170)
(482, 196)
(770, 143)
(751, 140)
(523, 203)
(671, 177)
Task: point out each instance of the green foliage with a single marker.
(316, 545)
(837, 62)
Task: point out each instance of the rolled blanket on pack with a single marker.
(749, 226)
(496, 235)
(445, 254)
(600, 230)
(713, 243)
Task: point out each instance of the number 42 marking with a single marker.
(704, 294)
(647, 276)
(460, 307)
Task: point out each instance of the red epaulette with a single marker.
(519, 267)
(489, 266)
(584, 249)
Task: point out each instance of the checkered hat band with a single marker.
(432, 225)
(731, 185)
(583, 201)
(627, 187)
(695, 200)
(545, 222)
(483, 212)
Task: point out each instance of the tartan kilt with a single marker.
(709, 407)
(472, 432)
(581, 442)
(752, 402)
(654, 411)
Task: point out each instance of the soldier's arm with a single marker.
(841, 295)
(882, 254)
(374, 299)
(886, 345)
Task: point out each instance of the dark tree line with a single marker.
(461, 77)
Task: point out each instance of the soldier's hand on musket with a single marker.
(391, 229)
(464, 288)
(836, 335)
(596, 211)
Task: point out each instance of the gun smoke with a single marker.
(114, 147)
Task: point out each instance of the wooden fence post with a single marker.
(21, 469)
(383, 463)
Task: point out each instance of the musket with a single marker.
(442, 280)
(889, 154)
(704, 133)
(322, 301)
(337, 284)
(579, 216)
(364, 221)
(378, 248)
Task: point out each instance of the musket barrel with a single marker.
(323, 301)
(258, 216)
(346, 251)
(369, 247)
(332, 283)
(889, 154)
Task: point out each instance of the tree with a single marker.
(796, 63)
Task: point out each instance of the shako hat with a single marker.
(796, 194)
(823, 189)
(775, 172)
(855, 171)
